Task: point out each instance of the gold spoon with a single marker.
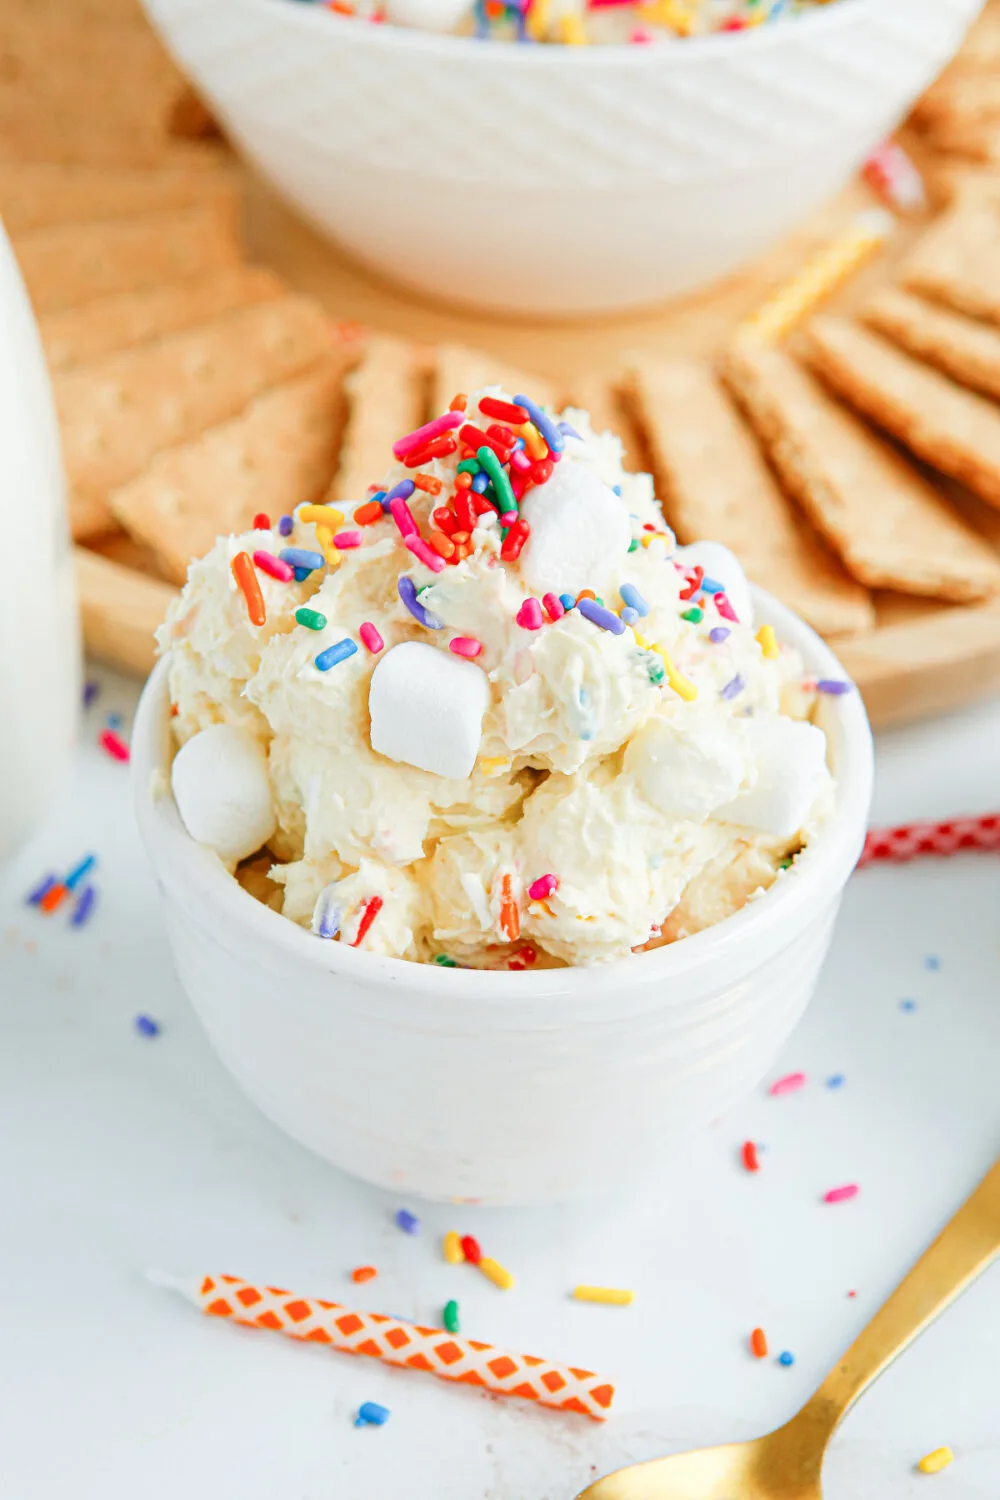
(786, 1464)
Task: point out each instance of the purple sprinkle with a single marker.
(407, 1222)
(90, 692)
(734, 687)
(286, 525)
(41, 890)
(598, 615)
(569, 431)
(146, 1026)
(84, 908)
(401, 491)
(408, 593)
(718, 635)
(833, 686)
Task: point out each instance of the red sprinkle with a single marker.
(364, 1273)
(750, 1158)
(504, 411)
(758, 1343)
(481, 505)
(249, 585)
(445, 520)
(471, 1250)
(463, 509)
(261, 521)
(510, 917)
(541, 471)
(114, 745)
(515, 540)
(371, 911)
(438, 447)
(694, 578)
(54, 897)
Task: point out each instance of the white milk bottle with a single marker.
(39, 627)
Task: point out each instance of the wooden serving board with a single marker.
(922, 658)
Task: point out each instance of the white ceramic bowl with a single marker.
(499, 1087)
(558, 180)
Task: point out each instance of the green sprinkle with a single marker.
(694, 615)
(468, 466)
(599, 600)
(656, 674)
(634, 544)
(504, 497)
(311, 619)
(785, 864)
(445, 961)
(451, 1316)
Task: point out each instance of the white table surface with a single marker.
(119, 1153)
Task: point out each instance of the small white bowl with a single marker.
(558, 180)
(500, 1087)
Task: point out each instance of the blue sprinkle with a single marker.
(335, 654)
(712, 586)
(41, 889)
(407, 1222)
(634, 599)
(379, 498)
(617, 489)
(90, 692)
(907, 1005)
(568, 601)
(407, 591)
(629, 615)
(370, 1414)
(598, 615)
(786, 1358)
(302, 557)
(835, 1081)
(114, 721)
(79, 871)
(548, 429)
(286, 525)
(326, 914)
(932, 963)
(401, 491)
(480, 482)
(568, 431)
(734, 687)
(146, 1026)
(832, 685)
(718, 635)
(301, 574)
(84, 908)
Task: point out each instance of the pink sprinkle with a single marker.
(370, 637)
(268, 563)
(640, 36)
(542, 887)
(529, 616)
(466, 645)
(403, 517)
(842, 1194)
(113, 745)
(347, 539)
(725, 609)
(422, 435)
(790, 1082)
(520, 460)
(554, 606)
(426, 554)
(508, 518)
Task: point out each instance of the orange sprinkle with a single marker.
(459, 402)
(369, 512)
(510, 918)
(585, 594)
(246, 577)
(443, 545)
(750, 1158)
(463, 481)
(174, 710)
(428, 484)
(462, 551)
(364, 1273)
(53, 898)
(758, 1343)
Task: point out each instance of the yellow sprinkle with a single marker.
(933, 1463)
(767, 642)
(324, 535)
(653, 536)
(572, 31)
(492, 765)
(538, 20)
(451, 1248)
(334, 558)
(323, 515)
(677, 680)
(790, 303)
(534, 444)
(613, 1296)
(498, 1274)
(640, 640)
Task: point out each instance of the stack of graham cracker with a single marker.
(957, 121)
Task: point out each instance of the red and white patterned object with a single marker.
(913, 840)
(466, 1361)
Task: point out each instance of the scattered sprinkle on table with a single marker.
(407, 1222)
(470, 1249)
(370, 1414)
(786, 1358)
(84, 908)
(758, 1344)
(933, 1463)
(112, 744)
(842, 1194)
(41, 890)
(364, 1273)
(787, 1085)
(610, 1296)
(146, 1026)
(495, 1272)
(750, 1158)
(835, 1081)
(450, 1317)
(451, 1248)
(932, 963)
(90, 692)
(907, 1005)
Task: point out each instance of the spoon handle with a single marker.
(963, 1249)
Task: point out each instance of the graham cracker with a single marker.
(950, 428)
(38, 195)
(609, 412)
(458, 369)
(73, 263)
(955, 261)
(975, 138)
(715, 484)
(960, 96)
(123, 549)
(277, 453)
(116, 413)
(889, 525)
(386, 399)
(966, 350)
(87, 332)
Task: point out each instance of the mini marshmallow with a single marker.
(428, 15)
(723, 566)
(427, 709)
(220, 784)
(687, 768)
(579, 529)
(791, 764)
